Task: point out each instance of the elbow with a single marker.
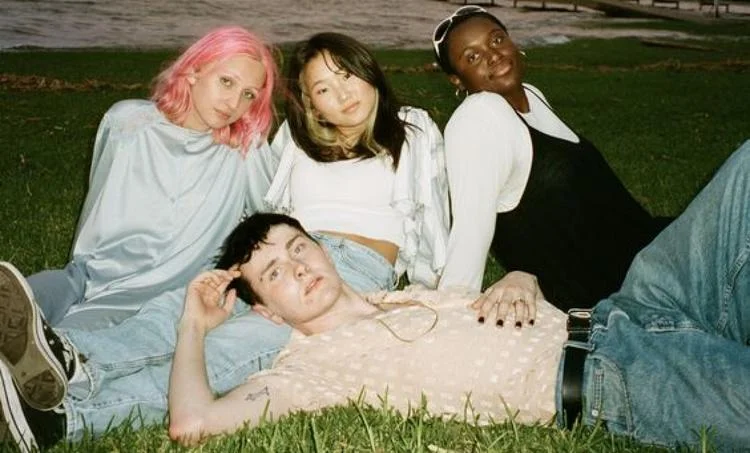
(186, 430)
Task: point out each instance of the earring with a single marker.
(459, 91)
(522, 52)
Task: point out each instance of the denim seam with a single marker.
(597, 388)
(75, 429)
(136, 363)
(342, 242)
(732, 275)
(118, 402)
(92, 376)
(347, 258)
(258, 358)
(598, 385)
(70, 422)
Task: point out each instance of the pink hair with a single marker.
(171, 90)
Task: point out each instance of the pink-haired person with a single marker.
(170, 179)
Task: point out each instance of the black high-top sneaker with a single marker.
(20, 424)
(40, 361)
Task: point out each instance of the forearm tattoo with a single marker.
(252, 396)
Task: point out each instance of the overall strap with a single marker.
(543, 101)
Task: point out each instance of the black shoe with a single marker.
(40, 362)
(29, 429)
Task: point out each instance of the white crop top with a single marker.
(351, 196)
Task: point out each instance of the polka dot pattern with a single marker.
(500, 370)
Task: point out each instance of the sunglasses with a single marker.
(441, 31)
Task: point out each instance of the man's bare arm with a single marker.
(191, 401)
(195, 413)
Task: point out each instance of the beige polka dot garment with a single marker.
(461, 367)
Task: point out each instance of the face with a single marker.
(339, 97)
(293, 277)
(222, 92)
(484, 58)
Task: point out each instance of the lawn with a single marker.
(664, 117)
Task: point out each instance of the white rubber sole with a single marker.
(16, 427)
(38, 375)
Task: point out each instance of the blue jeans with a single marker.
(669, 351)
(56, 290)
(128, 365)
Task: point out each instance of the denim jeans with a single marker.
(56, 290)
(128, 365)
(669, 352)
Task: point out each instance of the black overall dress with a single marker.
(576, 227)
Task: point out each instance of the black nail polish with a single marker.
(500, 322)
(481, 320)
(518, 324)
(531, 322)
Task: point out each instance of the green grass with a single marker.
(665, 118)
(357, 428)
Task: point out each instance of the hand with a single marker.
(518, 291)
(207, 301)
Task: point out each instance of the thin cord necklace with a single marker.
(409, 303)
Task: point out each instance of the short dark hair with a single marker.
(245, 239)
(441, 55)
(388, 132)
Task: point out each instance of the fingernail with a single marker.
(481, 320)
(531, 322)
(518, 324)
(500, 322)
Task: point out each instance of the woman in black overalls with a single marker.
(525, 186)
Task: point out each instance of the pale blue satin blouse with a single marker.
(161, 201)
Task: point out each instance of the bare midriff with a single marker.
(388, 249)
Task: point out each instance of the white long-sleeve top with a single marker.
(420, 193)
(488, 156)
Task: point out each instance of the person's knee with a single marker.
(741, 156)
(55, 291)
(736, 169)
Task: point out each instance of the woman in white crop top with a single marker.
(357, 167)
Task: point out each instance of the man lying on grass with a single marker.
(660, 360)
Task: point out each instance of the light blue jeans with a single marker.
(56, 290)
(669, 352)
(128, 365)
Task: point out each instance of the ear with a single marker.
(456, 82)
(268, 313)
(192, 78)
(318, 116)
